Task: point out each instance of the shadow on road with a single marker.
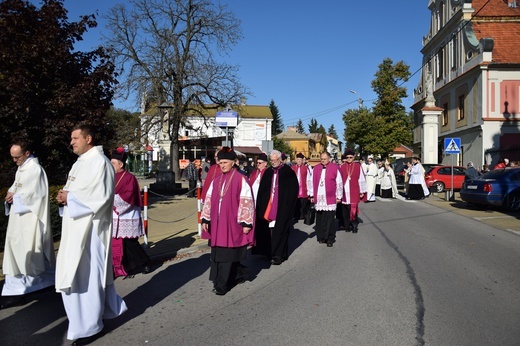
(160, 287)
(24, 326)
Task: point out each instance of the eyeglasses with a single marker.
(350, 157)
(259, 163)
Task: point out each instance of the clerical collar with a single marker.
(324, 166)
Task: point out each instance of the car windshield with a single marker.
(429, 169)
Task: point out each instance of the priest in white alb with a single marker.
(28, 263)
(84, 264)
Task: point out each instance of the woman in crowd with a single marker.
(128, 255)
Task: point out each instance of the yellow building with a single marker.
(300, 143)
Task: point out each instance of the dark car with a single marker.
(438, 178)
(499, 187)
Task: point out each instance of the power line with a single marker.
(330, 110)
(443, 46)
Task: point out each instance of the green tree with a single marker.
(397, 125)
(126, 128)
(277, 123)
(299, 127)
(313, 126)
(323, 139)
(380, 130)
(172, 51)
(46, 86)
(282, 146)
(332, 131)
(361, 130)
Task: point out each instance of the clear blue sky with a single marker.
(307, 55)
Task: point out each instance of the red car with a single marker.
(438, 178)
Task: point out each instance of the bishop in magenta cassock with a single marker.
(229, 209)
(354, 190)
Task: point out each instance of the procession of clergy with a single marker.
(239, 211)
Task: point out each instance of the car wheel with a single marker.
(438, 186)
(513, 201)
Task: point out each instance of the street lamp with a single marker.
(360, 100)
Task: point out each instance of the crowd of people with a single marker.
(100, 204)
(259, 208)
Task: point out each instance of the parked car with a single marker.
(400, 173)
(499, 187)
(438, 178)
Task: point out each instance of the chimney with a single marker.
(243, 101)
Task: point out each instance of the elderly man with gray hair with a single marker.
(471, 172)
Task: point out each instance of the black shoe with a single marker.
(219, 291)
(354, 229)
(276, 261)
(330, 244)
(321, 241)
(12, 301)
(89, 339)
(147, 270)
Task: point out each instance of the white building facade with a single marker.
(200, 135)
(471, 68)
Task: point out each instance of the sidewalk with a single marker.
(172, 225)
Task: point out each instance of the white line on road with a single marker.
(493, 217)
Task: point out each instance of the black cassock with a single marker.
(275, 245)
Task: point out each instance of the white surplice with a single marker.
(371, 173)
(29, 260)
(84, 264)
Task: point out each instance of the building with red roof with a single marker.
(471, 81)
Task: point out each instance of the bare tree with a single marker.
(174, 51)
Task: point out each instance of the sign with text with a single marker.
(226, 119)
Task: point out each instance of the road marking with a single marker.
(493, 217)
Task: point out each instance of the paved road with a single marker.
(415, 274)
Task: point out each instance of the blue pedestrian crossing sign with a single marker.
(452, 145)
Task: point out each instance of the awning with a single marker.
(249, 150)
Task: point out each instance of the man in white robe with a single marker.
(371, 174)
(29, 261)
(84, 264)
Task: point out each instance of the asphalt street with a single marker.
(415, 274)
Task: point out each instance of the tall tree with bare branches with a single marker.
(174, 52)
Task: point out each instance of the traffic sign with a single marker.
(226, 119)
(452, 145)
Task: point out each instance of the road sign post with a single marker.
(452, 146)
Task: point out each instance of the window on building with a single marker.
(440, 64)
(454, 52)
(441, 14)
(460, 113)
(186, 133)
(445, 114)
